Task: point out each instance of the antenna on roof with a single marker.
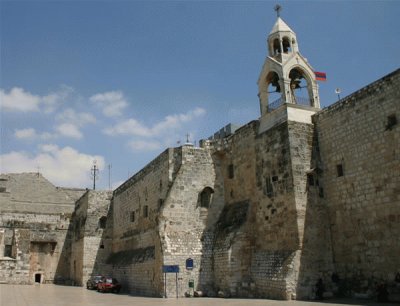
(278, 10)
(94, 171)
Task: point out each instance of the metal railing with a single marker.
(278, 102)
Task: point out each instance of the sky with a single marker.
(118, 82)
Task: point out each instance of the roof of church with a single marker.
(26, 190)
(280, 26)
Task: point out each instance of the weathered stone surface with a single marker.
(262, 211)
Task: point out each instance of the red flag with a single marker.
(320, 76)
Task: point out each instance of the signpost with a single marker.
(170, 269)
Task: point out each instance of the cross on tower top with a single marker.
(278, 10)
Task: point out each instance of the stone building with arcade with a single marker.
(263, 210)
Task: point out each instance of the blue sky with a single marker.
(120, 81)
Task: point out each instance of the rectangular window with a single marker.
(339, 170)
(268, 187)
(310, 178)
(8, 251)
(145, 211)
(391, 122)
(231, 173)
(132, 216)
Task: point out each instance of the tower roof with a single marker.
(280, 26)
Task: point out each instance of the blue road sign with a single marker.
(170, 269)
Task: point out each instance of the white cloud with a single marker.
(69, 130)
(17, 99)
(73, 117)
(129, 127)
(136, 128)
(71, 122)
(112, 102)
(29, 133)
(142, 145)
(62, 166)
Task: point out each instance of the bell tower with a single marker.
(286, 76)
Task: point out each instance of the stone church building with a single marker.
(264, 210)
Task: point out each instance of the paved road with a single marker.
(52, 295)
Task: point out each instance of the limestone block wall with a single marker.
(313, 260)
(136, 206)
(90, 246)
(188, 218)
(37, 243)
(262, 252)
(359, 145)
(35, 216)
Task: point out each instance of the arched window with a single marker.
(206, 197)
(286, 45)
(277, 47)
(273, 91)
(102, 222)
(299, 87)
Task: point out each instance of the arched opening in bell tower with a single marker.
(300, 87)
(274, 90)
(276, 46)
(287, 48)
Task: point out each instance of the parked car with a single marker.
(109, 284)
(92, 282)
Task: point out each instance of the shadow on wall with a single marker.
(316, 260)
(62, 274)
(104, 250)
(220, 251)
(88, 240)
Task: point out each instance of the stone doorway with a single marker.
(38, 278)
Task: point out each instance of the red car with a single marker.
(108, 284)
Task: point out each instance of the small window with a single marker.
(205, 197)
(103, 222)
(8, 251)
(339, 170)
(231, 173)
(310, 179)
(268, 187)
(132, 216)
(145, 211)
(391, 122)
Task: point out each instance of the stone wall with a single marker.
(90, 243)
(136, 207)
(359, 146)
(266, 166)
(34, 217)
(188, 218)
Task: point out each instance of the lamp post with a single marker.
(338, 91)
